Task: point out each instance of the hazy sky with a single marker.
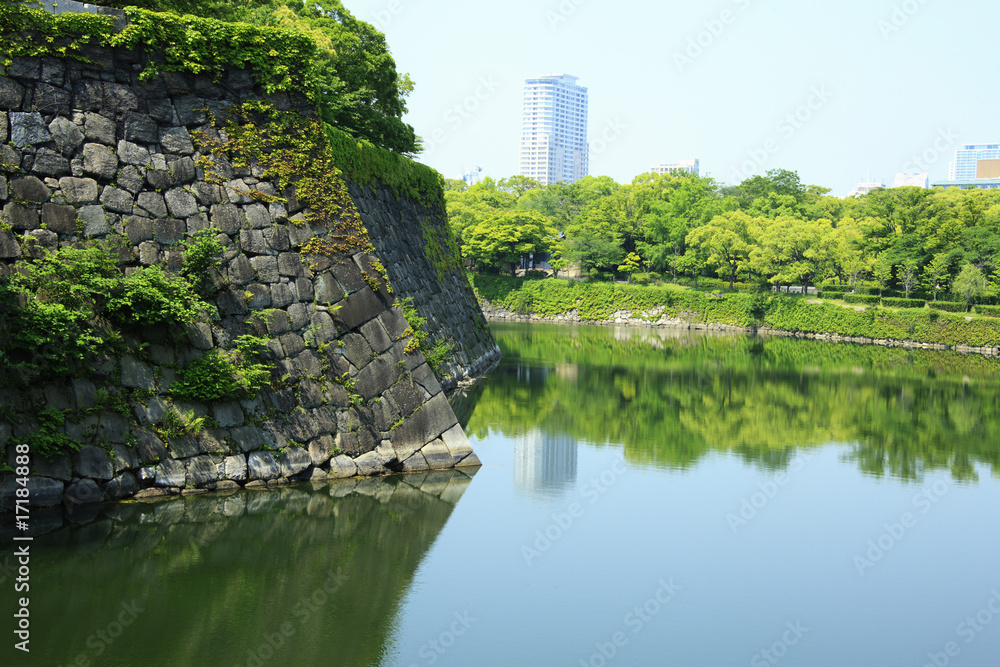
(832, 89)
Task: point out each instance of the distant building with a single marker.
(554, 130)
(975, 162)
(865, 188)
(690, 165)
(911, 180)
(970, 184)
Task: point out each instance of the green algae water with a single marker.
(648, 497)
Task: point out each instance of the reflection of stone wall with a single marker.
(224, 570)
(87, 153)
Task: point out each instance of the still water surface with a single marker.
(648, 497)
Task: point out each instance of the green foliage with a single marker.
(48, 440)
(220, 375)
(434, 355)
(365, 163)
(201, 255)
(600, 301)
(66, 307)
(149, 297)
(830, 294)
(340, 64)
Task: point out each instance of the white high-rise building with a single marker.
(690, 165)
(554, 135)
(974, 162)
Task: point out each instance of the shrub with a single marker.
(830, 294)
(948, 306)
(989, 311)
(902, 303)
(225, 374)
(150, 297)
(868, 299)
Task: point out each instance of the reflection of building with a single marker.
(544, 463)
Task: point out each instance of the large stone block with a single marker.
(100, 161)
(181, 203)
(11, 94)
(66, 134)
(20, 217)
(360, 307)
(140, 128)
(376, 377)
(9, 247)
(176, 140)
(43, 492)
(262, 466)
(28, 129)
(170, 473)
(201, 471)
(294, 461)
(30, 189)
(93, 462)
(50, 100)
(369, 464)
(99, 129)
(83, 492)
(152, 204)
(426, 424)
(59, 218)
(234, 468)
(50, 163)
(78, 190)
(122, 486)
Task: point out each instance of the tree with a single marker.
(938, 273)
(882, 271)
(908, 276)
(631, 265)
(969, 284)
(725, 243)
(501, 240)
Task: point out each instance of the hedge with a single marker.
(599, 301)
(869, 299)
(947, 306)
(837, 288)
(989, 311)
(897, 302)
(829, 294)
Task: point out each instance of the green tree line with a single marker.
(768, 230)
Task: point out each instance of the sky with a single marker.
(833, 90)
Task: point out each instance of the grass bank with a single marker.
(670, 304)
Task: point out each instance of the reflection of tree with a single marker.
(669, 398)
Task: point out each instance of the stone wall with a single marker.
(412, 241)
(88, 153)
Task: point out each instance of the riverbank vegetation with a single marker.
(602, 301)
(769, 231)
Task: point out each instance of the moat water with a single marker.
(647, 497)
